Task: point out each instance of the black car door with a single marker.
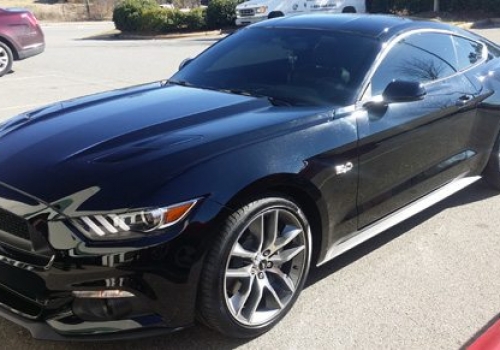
(408, 149)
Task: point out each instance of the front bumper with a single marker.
(243, 21)
(39, 289)
(44, 331)
(42, 301)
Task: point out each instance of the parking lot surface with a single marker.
(429, 283)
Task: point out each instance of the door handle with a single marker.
(464, 100)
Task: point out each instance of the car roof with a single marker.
(382, 27)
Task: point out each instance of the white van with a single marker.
(257, 10)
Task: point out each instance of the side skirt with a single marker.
(398, 216)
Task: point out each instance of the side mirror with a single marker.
(403, 91)
(185, 62)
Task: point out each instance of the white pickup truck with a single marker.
(257, 10)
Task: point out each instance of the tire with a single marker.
(256, 268)
(6, 59)
(492, 171)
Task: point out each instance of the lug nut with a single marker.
(269, 264)
(261, 275)
(266, 252)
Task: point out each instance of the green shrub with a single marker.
(152, 20)
(406, 6)
(145, 16)
(127, 15)
(489, 6)
(221, 13)
(184, 21)
(195, 19)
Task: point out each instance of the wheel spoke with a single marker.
(286, 255)
(254, 299)
(257, 230)
(241, 252)
(272, 229)
(242, 272)
(284, 278)
(239, 300)
(289, 234)
(272, 291)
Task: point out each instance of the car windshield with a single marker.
(300, 67)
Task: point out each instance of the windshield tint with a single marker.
(300, 66)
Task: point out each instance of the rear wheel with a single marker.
(256, 268)
(6, 59)
(492, 171)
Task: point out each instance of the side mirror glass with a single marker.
(185, 62)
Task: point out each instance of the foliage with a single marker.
(147, 17)
(415, 6)
(128, 15)
(221, 13)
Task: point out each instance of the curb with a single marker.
(127, 36)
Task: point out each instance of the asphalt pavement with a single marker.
(432, 282)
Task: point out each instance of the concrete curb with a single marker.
(127, 36)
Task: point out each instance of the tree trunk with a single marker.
(87, 7)
(436, 5)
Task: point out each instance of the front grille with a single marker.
(13, 224)
(246, 13)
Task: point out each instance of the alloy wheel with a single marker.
(265, 267)
(4, 59)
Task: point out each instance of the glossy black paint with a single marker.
(159, 144)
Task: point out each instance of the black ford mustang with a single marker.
(210, 195)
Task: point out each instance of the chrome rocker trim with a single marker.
(398, 216)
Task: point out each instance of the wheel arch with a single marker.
(293, 187)
(11, 46)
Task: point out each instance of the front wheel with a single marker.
(6, 59)
(256, 268)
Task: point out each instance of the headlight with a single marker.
(134, 223)
(262, 9)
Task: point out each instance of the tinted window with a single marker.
(414, 59)
(468, 52)
(437, 44)
(301, 66)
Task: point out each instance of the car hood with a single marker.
(126, 143)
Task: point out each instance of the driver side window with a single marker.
(415, 59)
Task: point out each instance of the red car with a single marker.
(20, 37)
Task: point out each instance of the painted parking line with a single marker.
(489, 339)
